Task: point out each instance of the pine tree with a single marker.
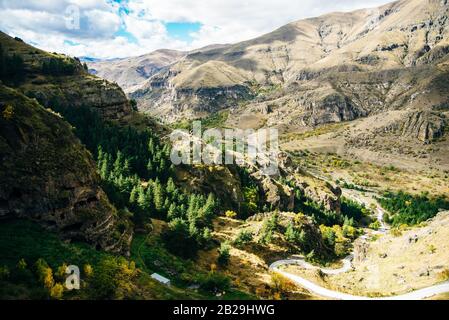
(290, 233)
(126, 170)
(158, 196)
(193, 208)
(209, 207)
(148, 196)
(207, 235)
(150, 167)
(147, 202)
(100, 154)
(303, 242)
(162, 166)
(166, 204)
(151, 146)
(104, 172)
(172, 212)
(133, 196)
(193, 230)
(141, 198)
(182, 211)
(170, 186)
(118, 163)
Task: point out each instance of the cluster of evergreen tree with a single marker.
(58, 67)
(411, 209)
(313, 209)
(351, 212)
(137, 175)
(12, 67)
(251, 195)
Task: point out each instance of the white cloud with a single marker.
(144, 28)
(42, 22)
(237, 20)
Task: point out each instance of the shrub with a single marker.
(329, 236)
(444, 275)
(4, 273)
(341, 249)
(375, 225)
(44, 273)
(223, 254)
(243, 238)
(230, 214)
(281, 285)
(395, 232)
(60, 272)
(112, 280)
(8, 112)
(178, 239)
(269, 227)
(21, 265)
(88, 270)
(214, 282)
(251, 195)
(350, 232)
(57, 291)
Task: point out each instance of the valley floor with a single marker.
(393, 264)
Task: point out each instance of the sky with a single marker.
(108, 29)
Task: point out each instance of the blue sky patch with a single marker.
(71, 43)
(128, 35)
(182, 30)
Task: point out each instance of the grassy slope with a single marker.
(25, 239)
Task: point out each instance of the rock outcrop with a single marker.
(74, 89)
(47, 175)
(223, 181)
(281, 195)
(107, 98)
(332, 108)
(424, 126)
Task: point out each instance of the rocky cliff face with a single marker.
(48, 176)
(73, 92)
(331, 108)
(424, 126)
(161, 97)
(72, 89)
(276, 189)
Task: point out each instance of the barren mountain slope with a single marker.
(327, 61)
(130, 72)
(386, 67)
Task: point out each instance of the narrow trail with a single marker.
(347, 266)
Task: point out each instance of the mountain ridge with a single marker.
(336, 68)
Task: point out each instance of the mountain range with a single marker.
(385, 67)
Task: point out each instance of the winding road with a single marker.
(347, 266)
